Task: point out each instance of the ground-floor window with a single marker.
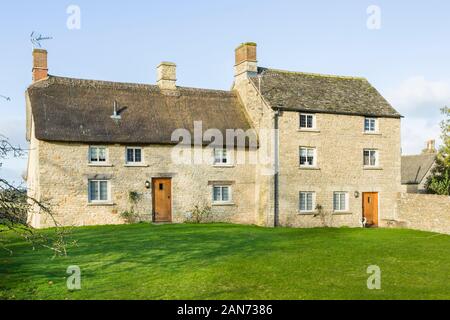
(340, 201)
(99, 191)
(307, 201)
(221, 194)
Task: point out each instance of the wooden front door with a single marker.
(370, 208)
(162, 200)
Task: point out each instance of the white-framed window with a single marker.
(221, 157)
(134, 155)
(340, 201)
(307, 121)
(307, 201)
(98, 154)
(370, 125)
(371, 158)
(308, 157)
(99, 191)
(221, 194)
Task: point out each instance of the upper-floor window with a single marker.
(97, 154)
(370, 125)
(307, 121)
(221, 157)
(307, 201)
(340, 201)
(134, 155)
(307, 157)
(99, 191)
(221, 194)
(371, 158)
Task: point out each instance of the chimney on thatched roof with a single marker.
(40, 67)
(167, 76)
(246, 63)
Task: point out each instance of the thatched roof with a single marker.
(73, 110)
(321, 93)
(414, 168)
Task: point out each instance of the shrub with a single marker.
(200, 214)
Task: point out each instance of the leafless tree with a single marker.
(15, 204)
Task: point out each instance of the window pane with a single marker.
(225, 194)
(342, 202)
(93, 191)
(302, 121)
(309, 201)
(302, 201)
(102, 154)
(103, 190)
(217, 156)
(130, 155)
(216, 194)
(93, 154)
(366, 157)
(309, 123)
(336, 202)
(224, 156)
(373, 158)
(137, 155)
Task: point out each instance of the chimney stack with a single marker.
(40, 67)
(431, 146)
(246, 64)
(167, 76)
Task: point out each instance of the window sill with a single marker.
(100, 165)
(309, 130)
(372, 133)
(101, 204)
(228, 204)
(309, 213)
(342, 213)
(223, 165)
(373, 168)
(309, 168)
(128, 165)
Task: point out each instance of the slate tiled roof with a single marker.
(414, 168)
(321, 93)
(72, 110)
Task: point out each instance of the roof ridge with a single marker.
(316, 74)
(52, 79)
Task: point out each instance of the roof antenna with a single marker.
(6, 98)
(116, 116)
(37, 38)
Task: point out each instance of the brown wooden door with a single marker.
(162, 200)
(370, 208)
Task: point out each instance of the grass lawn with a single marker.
(222, 261)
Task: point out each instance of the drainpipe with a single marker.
(276, 221)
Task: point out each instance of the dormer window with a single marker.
(370, 125)
(307, 121)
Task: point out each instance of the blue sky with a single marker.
(407, 60)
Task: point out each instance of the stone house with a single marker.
(306, 150)
(416, 169)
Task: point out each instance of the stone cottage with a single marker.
(416, 169)
(306, 150)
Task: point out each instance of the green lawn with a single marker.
(232, 262)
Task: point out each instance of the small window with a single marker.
(98, 191)
(134, 155)
(370, 158)
(307, 157)
(221, 157)
(307, 201)
(370, 125)
(221, 194)
(340, 201)
(97, 154)
(307, 121)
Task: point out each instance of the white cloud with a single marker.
(420, 101)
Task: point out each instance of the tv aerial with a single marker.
(37, 38)
(5, 97)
